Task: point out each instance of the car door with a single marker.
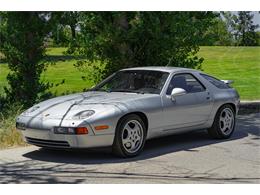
(188, 110)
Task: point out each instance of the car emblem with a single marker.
(47, 115)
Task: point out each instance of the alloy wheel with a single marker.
(132, 136)
(226, 121)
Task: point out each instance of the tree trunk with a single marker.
(73, 31)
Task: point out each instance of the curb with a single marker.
(248, 107)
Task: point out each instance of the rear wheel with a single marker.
(224, 123)
(130, 136)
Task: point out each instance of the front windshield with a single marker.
(135, 81)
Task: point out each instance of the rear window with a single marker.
(218, 83)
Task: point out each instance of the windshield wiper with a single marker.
(105, 90)
(117, 90)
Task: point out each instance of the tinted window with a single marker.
(218, 83)
(186, 82)
(135, 81)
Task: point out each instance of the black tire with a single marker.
(118, 148)
(216, 131)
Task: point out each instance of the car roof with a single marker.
(168, 69)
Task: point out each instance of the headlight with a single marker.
(70, 130)
(84, 114)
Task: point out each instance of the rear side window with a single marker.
(218, 83)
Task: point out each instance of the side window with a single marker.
(185, 81)
(218, 83)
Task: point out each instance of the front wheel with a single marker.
(224, 123)
(130, 136)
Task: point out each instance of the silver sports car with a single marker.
(132, 106)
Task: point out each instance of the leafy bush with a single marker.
(22, 43)
(9, 136)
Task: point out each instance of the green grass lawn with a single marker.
(241, 64)
(3, 73)
(64, 69)
(60, 67)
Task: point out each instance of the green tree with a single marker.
(2, 27)
(258, 40)
(128, 39)
(64, 30)
(22, 43)
(70, 19)
(60, 36)
(218, 33)
(246, 30)
(231, 23)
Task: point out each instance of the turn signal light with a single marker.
(101, 127)
(81, 130)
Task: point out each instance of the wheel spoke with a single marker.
(132, 145)
(128, 128)
(138, 138)
(222, 120)
(226, 121)
(127, 140)
(132, 136)
(226, 129)
(136, 128)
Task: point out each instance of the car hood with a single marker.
(70, 105)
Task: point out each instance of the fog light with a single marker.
(60, 130)
(71, 130)
(20, 126)
(81, 130)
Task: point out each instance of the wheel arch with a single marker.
(231, 104)
(227, 103)
(213, 130)
(140, 114)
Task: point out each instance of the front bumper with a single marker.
(46, 138)
(39, 131)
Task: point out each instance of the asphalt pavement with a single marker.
(187, 158)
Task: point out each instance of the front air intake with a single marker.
(47, 143)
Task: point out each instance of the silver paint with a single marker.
(191, 111)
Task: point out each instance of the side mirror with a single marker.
(177, 92)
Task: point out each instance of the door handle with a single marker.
(208, 98)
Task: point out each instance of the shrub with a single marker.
(9, 136)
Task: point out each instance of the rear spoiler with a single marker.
(228, 82)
